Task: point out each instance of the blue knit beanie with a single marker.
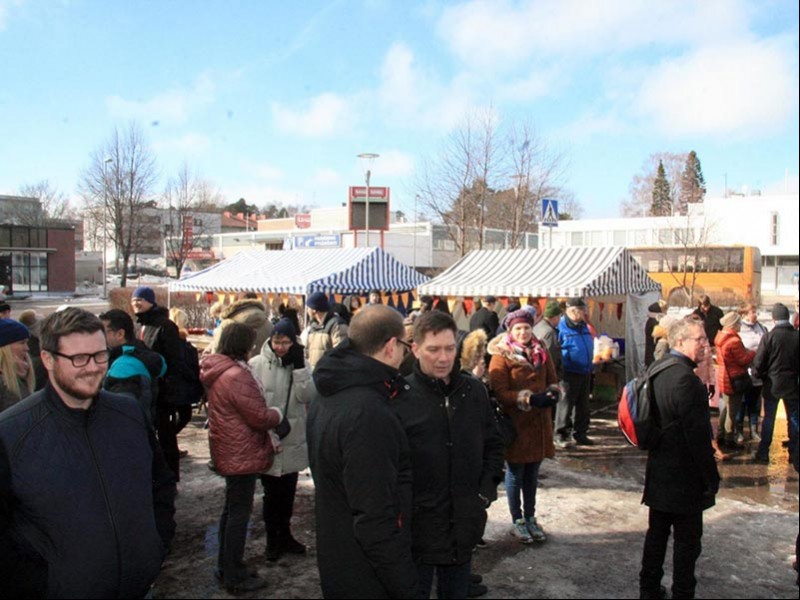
(145, 293)
(12, 331)
(318, 301)
(285, 327)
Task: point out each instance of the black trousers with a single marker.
(239, 490)
(279, 493)
(168, 437)
(688, 530)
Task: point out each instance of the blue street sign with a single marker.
(549, 212)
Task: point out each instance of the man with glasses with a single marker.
(681, 478)
(361, 463)
(86, 500)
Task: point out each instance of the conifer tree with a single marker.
(662, 203)
(693, 185)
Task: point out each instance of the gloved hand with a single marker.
(547, 398)
(296, 356)
(283, 428)
(711, 391)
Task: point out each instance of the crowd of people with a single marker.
(408, 424)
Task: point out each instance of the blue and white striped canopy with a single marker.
(338, 270)
(550, 272)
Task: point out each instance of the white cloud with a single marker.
(394, 163)
(326, 115)
(172, 107)
(326, 177)
(5, 10)
(269, 172)
(740, 88)
(190, 144)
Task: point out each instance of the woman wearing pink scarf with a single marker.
(524, 381)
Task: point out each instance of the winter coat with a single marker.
(161, 335)
(361, 463)
(457, 461)
(238, 418)
(252, 313)
(86, 500)
(777, 361)
(649, 341)
(681, 474)
(577, 346)
(324, 336)
(278, 382)
(751, 334)
(8, 398)
(548, 335)
(711, 322)
(473, 350)
(485, 319)
(509, 374)
(732, 357)
(133, 369)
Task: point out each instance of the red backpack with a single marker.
(637, 413)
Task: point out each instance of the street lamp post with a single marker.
(105, 212)
(367, 159)
(416, 198)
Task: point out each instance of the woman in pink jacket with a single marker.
(241, 448)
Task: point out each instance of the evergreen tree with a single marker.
(662, 203)
(693, 184)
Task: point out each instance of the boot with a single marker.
(274, 547)
(290, 545)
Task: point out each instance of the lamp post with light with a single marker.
(105, 228)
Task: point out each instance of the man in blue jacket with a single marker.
(86, 500)
(577, 348)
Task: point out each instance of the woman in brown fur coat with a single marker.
(524, 381)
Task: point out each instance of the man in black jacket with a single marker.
(710, 315)
(161, 335)
(86, 501)
(361, 464)
(681, 478)
(486, 318)
(777, 362)
(456, 457)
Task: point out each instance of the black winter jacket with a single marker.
(86, 500)
(161, 335)
(681, 475)
(457, 461)
(361, 466)
(485, 319)
(124, 377)
(777, 361)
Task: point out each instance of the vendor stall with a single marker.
(617, 290)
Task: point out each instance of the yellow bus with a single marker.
(729, 275)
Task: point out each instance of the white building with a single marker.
(769, 222)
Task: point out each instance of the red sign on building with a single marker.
(302, 220)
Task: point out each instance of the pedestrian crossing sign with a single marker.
(549, 212)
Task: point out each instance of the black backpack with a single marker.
(637, 414)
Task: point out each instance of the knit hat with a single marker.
(489, 299)
(5, 306)
(285, 327)
(318, 301)
(12, 331)
(552, 309)
(730, 319)
(576, 303)
(145, 293)
(780, 312)
(518, 316)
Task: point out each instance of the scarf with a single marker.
(533, 352)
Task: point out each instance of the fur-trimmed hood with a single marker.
(240, 305)
(499, 347)
(473, 349)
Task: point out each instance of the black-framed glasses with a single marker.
(81, 360)
(404, 343)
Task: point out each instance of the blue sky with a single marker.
(272, 101)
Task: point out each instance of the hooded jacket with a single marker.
(509, 375)
(324, 336)
(252, 313)
(361, 464)
(732, 357)
(134, 370)
(161, 335)
(457, 461)
(238, 417)
(289, 390)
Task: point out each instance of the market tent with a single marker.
(608, 277)
(338, 270)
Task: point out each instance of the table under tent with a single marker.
(290, 275)
(615, 287)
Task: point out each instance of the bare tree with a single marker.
(55, 204)
(641, 186)
(692, 236)
(120, 178)
(185, 196)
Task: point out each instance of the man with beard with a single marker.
(161, 335)
(86, 500)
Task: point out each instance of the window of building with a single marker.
(5, 237)
(620, 238)
(774, 229)
(597, 238)
(198, 222)
(576, 238)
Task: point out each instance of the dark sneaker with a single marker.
(292, 546)
(582, 440)
(760, 459)
(563, 442)
(475, 578)
(476, 590)
(482, 543)
(251, 584)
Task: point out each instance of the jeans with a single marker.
(522, 478)
(751, 404)
(452, 581)
(572, 411)
(239, 490)
(768, 424)
(688, 530)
